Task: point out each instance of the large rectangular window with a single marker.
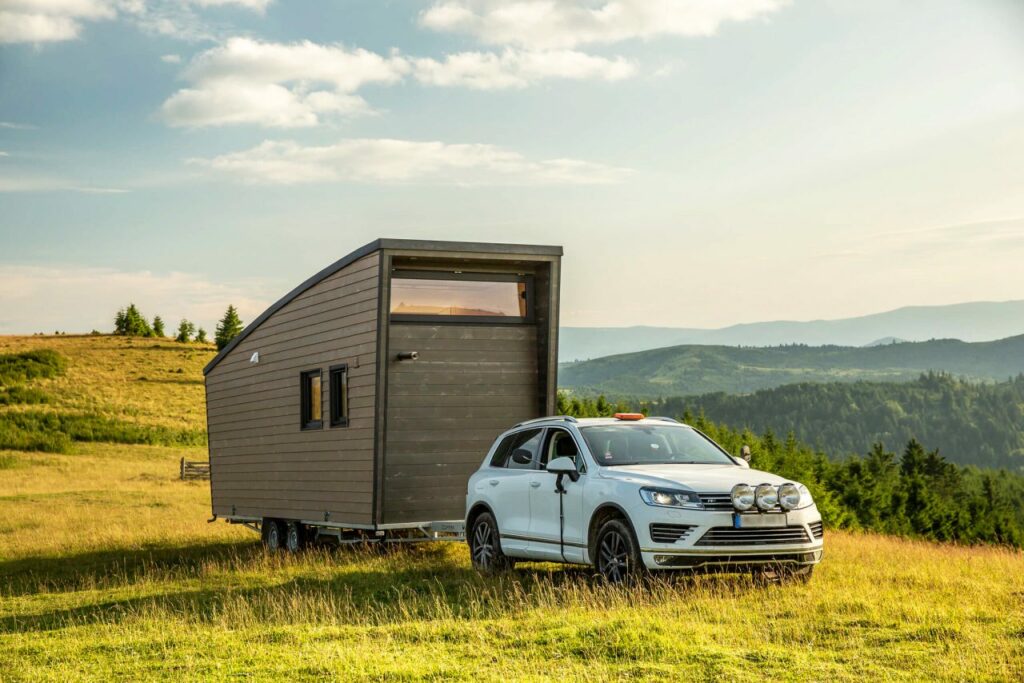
(311, 400)
(338, 379)
(470, 297)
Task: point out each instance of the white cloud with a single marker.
(277, 85)
(547, 24)
(10, 125)
(254, 5)
(403, 161)
(171, 59)
(47, 21)
(518, 69)
(294, 85)
(77, 298)
(22, 182)
(43, 21)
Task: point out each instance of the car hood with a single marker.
(699, 478)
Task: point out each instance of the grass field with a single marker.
(109, 571)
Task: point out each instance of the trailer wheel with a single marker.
(272, 534)
(294, 537)
(485, 546)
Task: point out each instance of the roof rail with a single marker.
(664, 419)
(565, 418)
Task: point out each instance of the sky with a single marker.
(702, 162)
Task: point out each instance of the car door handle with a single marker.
(535, 484)
(494, 482)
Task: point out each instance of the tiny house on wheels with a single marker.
(360, 403)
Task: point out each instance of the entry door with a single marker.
(545, 516)
(468, 384)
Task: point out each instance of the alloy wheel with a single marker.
(614, 557)
(483, 552)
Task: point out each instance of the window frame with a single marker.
(338, 403)
(524, 278)
(580, 460)
(305, 400)
(507, 454)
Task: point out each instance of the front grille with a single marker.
(670, 533)
(717, 502)
(817, 529)
(727, 535)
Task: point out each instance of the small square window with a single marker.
(311, 400)
(339, 395)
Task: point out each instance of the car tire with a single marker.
(485, 546)
(617, 555)
(294, 537)
(272, 534)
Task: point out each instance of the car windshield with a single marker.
(638, 444)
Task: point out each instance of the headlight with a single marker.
(766, 496)
(789, 496)
(670, 498)
(742, 497)
(806, 500)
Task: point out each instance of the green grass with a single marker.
(110, 571)
(100, 388)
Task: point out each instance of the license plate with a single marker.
(758, 521)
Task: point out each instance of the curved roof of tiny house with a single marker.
(377, 245)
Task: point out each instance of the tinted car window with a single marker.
(528, 440)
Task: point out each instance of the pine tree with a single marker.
(201, 336)
(158, 327)
(120, 323)
(228, 328)
(186, 331)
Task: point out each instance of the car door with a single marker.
(545, 529)
(507, 485)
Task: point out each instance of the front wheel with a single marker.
(618, 556)
(485, 546)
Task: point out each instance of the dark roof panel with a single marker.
(377, 245)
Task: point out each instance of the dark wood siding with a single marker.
(470, 383)
(263, 464)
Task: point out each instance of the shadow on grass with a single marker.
(424, 583)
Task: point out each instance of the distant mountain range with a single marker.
(976, 321)
(699, 369)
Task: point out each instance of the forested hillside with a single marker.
(906, 490)
(692, 370)
(970, 423)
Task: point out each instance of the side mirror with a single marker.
(564, 465)
(742, 463)
(521, 456)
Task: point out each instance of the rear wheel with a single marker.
(272, 533)
(618, 556)
(485, 546)
(294, 537)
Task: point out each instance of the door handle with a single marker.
(493, 482)
(535, 484)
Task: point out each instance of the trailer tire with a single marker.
(272, 534)
(294, 537)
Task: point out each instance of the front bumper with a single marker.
(709, 540)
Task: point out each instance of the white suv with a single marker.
(628, 493)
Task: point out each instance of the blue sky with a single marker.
(703, 162)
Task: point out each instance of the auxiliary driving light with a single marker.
(789, 496)
(742, 497)
(766, 496)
